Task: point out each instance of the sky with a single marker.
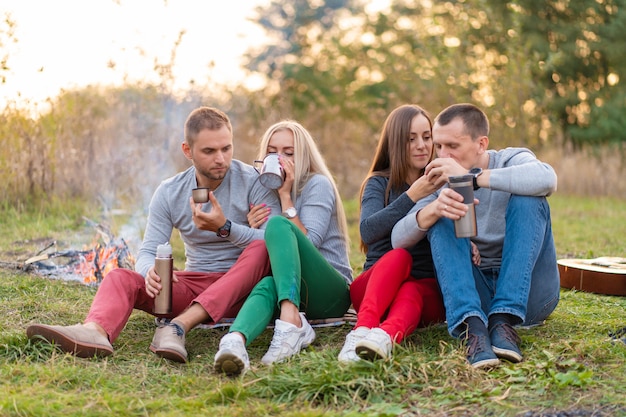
(62, 44)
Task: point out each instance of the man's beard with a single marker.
(212, 177)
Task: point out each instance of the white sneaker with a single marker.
(377, 344)
(288, 340)
(348, 354)
(232, 357)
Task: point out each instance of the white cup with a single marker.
(272, 174)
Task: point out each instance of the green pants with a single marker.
(300, 274)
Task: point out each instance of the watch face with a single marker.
(224, 231)
(291, 212)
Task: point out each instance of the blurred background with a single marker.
(549, 74)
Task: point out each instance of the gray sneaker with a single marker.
(232, 357)
(288, 340)
(169, 343)
(78, 340)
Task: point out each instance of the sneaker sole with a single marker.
(369, 352)
(229, 364)
(67, 344)
(348, 359)
(486, 363)
(508, 354)
(169, 354)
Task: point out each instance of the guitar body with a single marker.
(606, 275)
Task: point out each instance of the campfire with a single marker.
(88, 266)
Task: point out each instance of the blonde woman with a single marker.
(308, 251)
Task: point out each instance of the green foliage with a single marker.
(574, 45)
(543, 69)
(365, 63)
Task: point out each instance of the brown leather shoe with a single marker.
(77, 339)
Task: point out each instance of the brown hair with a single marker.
(392, 159)
(475, 121)
(205, 118)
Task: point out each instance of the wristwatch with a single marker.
(290, 213)
(224, 231)
(476, 173)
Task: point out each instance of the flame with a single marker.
(90, 265)
(99, 261)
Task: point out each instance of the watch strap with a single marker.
(476, 173)
(224, 231)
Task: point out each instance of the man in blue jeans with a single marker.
(507, 275)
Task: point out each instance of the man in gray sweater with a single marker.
(506, 275)
(225, 258)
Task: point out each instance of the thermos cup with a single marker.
(464, 185)
(200, 195)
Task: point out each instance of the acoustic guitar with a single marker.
(605, 275)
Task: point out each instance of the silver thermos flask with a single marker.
(164, 267)
(466, 225)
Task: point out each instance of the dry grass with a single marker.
(589, 172)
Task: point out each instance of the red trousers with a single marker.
(386, 296)
(221, 294)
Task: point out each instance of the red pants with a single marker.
(386, 296)
(221, 294)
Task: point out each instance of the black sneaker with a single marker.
(505, 342)
(479, 352)
(618, 335)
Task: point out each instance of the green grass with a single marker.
(570, 363)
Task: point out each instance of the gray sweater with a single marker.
(513, 171)
(378, 219)
(204, 250)
(318, 213)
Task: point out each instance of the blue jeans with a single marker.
(525, 285)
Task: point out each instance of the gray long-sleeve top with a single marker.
(317, 210)
(377, 221)
(204, 250)
(512, 171)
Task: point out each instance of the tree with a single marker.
(577, 51)
(344, 60)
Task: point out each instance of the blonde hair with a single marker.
(307, 161)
